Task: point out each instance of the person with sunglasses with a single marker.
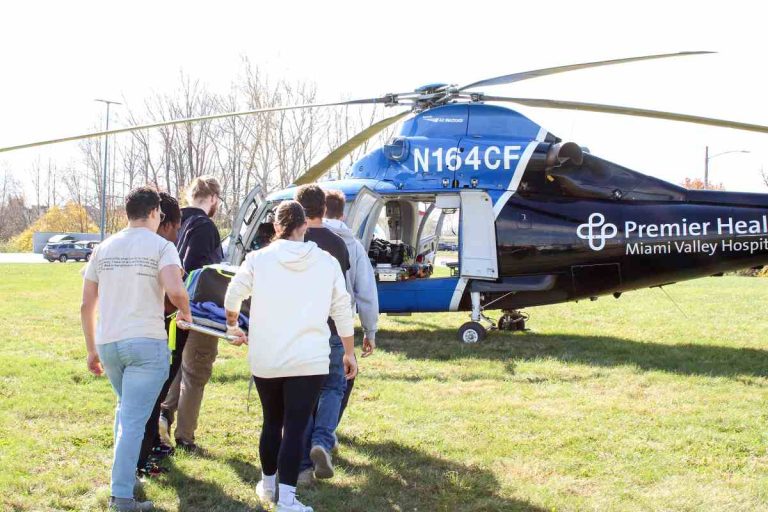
(126, 279)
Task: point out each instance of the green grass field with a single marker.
(609, 405)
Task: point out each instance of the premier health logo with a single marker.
(597, 231)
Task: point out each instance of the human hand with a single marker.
(94, 364)
(350, 366)
(369, 346)
(183, 317)
(241, 338)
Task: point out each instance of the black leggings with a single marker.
(151, 431)
(287, 403)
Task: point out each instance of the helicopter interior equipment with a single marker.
(539, 220)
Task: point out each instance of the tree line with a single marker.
(270, 150)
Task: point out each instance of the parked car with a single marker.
(447, 246)
(67, 251)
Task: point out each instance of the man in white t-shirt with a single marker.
(127, 277)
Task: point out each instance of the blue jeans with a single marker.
(137, 369)
(321, 428)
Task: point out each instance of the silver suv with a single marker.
(67, 251)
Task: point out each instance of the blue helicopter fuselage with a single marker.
(454, 146)
(560, 229)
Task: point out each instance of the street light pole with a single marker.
(707, 158)
(104, 173)
(706, 167)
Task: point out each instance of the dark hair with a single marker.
(312, 198)
(289, 217)
(140, 202)
(265, 233)
(334, 204)
(170, 207)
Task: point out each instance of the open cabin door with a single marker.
(363, 214)
(244, 226)
(477, 240)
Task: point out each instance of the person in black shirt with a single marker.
(199, 245)
(320, 436)
(152, 449)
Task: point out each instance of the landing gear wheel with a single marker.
(512, 321)
(472, 332)
(63, 258)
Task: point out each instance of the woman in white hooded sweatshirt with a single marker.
(294, 287)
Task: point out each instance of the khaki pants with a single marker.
(186, 393)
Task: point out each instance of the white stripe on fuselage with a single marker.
(511, 189)
(519, 171)
(457, 294)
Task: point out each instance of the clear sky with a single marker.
(60, 55)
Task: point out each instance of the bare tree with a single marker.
(76, 182)
(78, 177)
(15, 216)
(343, 123)
(50, 182)
(270, 150)
(37, 181)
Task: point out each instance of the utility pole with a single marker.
(706, 166)
(707, 158)
(104, 174)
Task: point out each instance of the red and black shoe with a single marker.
(151, 470)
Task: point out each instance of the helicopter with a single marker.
(540, 220)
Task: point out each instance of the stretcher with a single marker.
(207, 330)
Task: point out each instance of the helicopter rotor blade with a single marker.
(526, 75)
(387, 100)
(628, 111)
(338, 154)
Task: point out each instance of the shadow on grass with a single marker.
(603, 351)
(197, 495)
(247, 472)
(403, 478)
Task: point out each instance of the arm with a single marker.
(367, 299)
(341, 313)
(170, 279)
(88, 321)
(239, 289)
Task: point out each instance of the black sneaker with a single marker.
(188, 447)
(161, 451)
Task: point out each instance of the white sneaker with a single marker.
(296, 506)
(264, 494)
(322, 460)
(336, 446)
(165, 436)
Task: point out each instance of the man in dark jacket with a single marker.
(320, 436)
(199, 244)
